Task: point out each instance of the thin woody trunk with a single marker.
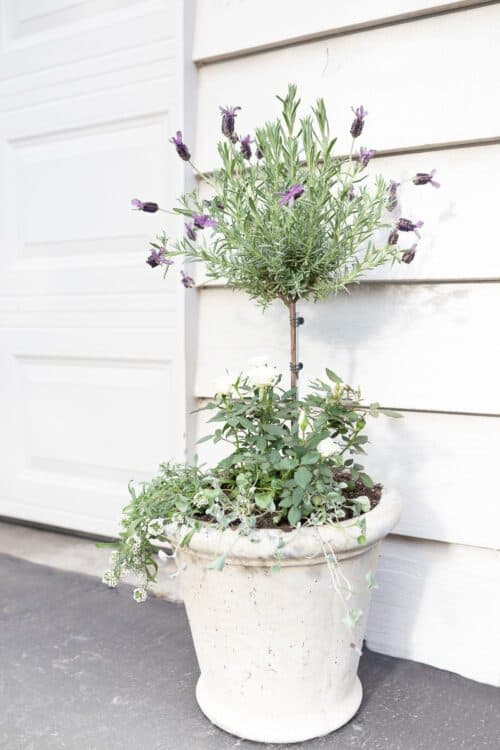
(295, 366)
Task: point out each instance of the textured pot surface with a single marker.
(277, 663)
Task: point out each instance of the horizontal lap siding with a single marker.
(457, 241)
(410, 346)
(436, 604)
(416, 80)
(421, 338)
(229, 27)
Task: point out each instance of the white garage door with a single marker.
(91, 339)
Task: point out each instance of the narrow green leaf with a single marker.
(332, 376)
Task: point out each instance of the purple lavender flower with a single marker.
(290, 196)
(228, 116)
(405, 225)
(190, 231)
(149, 207)
(359, 121)
(245, 147)
(158, 257)
(424, 178)
(202, 221)
(186, 280)
(180, 146)
(392, 191)
(351, 193)
(393, 237)
(409, 254)
(365, 154)
(258, 153)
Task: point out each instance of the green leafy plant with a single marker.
(291, 462)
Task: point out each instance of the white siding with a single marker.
(420, 338)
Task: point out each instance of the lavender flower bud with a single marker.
(228, 117)
(365, 154)
(409, 254)
(190, 231)
(405, 225)
(393, 237)
(358, 122)
(180, 147)
(150, 208)
(290, 196)
(158, 257)
(351, 193)
(424, 178)
(202, 221)
(186, 280)
(392, 191)
(245, 149)
(258, 153)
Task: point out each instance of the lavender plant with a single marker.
(289, 219)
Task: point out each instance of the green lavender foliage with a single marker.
(318, 246)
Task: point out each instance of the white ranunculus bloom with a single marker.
(328, 447)
(264, 375)
(225, 384)
(261, 361)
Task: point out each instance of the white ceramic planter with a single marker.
(277, 664)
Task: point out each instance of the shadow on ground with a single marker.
(86, 668)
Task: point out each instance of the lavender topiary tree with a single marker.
(288, 219)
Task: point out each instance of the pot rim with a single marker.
(307, 545)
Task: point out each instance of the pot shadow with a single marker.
(405, 568)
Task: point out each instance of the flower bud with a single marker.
(358, 122)
(245, 149)
(426, 178)
(180, 147)
(409, 254)
(228, 118)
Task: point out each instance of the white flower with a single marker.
(110, 579)
(140, 594)
(225, 384)
(155, 527)
(328, 447)
(263, 376)
(136, 542)
(303, 422)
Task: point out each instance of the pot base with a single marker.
(279, 729)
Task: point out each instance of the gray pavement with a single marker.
(86, 668)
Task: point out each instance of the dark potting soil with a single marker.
(374, 494)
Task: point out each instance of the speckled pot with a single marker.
(277, 664)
